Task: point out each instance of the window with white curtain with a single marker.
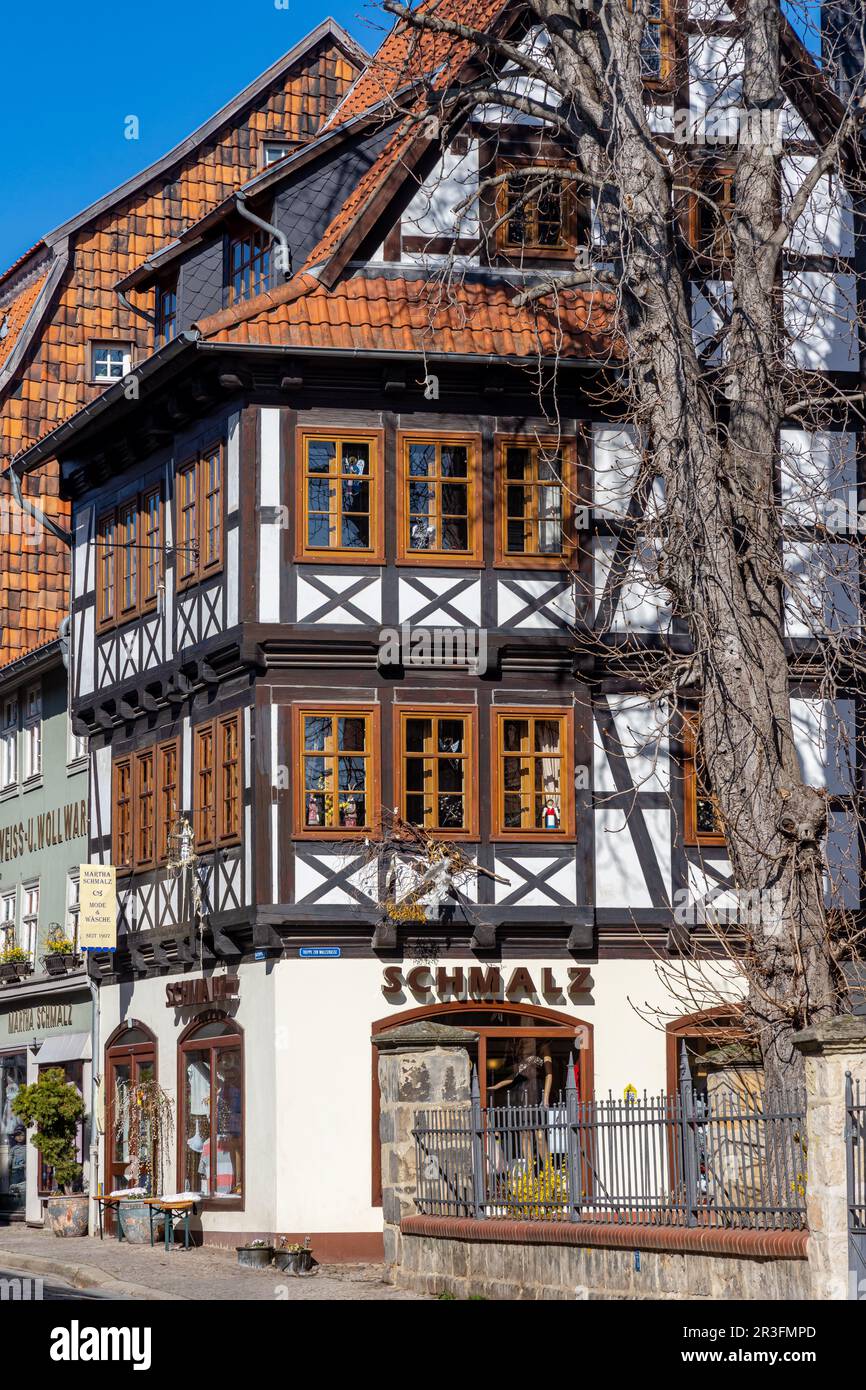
(9, 744)
(29, 917)
(33, 732)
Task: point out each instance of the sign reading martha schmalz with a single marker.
(97, 915)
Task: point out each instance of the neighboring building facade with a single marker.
(313, 466)
(45, 1018)
(65, 335)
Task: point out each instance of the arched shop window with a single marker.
(211, 1110)
(504, 1030)
(710, 1052)
(130, 1058)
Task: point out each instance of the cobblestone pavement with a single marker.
(207, 1273)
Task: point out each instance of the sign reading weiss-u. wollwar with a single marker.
(97, 914)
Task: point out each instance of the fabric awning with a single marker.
(69, 1047)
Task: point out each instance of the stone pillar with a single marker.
(420, 1064)
(830, 1049)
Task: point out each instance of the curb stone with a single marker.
(83, 1276)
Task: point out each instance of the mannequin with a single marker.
(530, 1084)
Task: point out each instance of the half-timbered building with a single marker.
(332, 555)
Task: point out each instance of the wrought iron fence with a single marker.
(684, 1160)
(855, 1152)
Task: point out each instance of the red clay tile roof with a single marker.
(407, 54)
(14, 315)
(381, 313)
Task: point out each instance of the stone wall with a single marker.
(499, 1269)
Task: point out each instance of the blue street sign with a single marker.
(320, 952)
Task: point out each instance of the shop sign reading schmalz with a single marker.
(42, 832)
(486, 982)
(185, 992)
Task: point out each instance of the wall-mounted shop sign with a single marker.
(486, 982)
(39, 833)
(97, 912)
(45, 1020)
(181, 993)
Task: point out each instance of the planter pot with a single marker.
(134, 1218)
(58, 964)
(67, 1216)
(15, 970)
(294, 1261)
(255, 1257)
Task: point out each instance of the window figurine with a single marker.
(350, 812)
(550, 815)
(313, 817)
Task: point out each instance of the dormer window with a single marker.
(538, 210)
(249, 262)
(110, 361)
(166, 314)
(657, 41)
(272, 151)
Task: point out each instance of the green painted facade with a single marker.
(43, 815)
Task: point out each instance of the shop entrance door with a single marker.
(13, 1138)
(129, 1060)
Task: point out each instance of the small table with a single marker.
(174, 1207)
(111, 1204)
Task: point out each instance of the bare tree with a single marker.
(708, 408)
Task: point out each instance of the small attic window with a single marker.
(110, 361)
(272, 151)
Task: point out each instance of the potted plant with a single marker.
(14, 963)
(144, 1122)
(60, 954)
(256, 1255)
(292, 1258)
(54, 1106)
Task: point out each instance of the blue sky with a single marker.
(73, 73)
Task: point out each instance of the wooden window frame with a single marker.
(106, 561)
(164, 819)
(200, 567)
(257, 264)
(186, 1044)
(151, 576)
(566, 831)
(691, 835)
(533, 250)
(706, 171)
(503, 558)
(159, 849)
(375, 555)
(165, 291)
(216, 835)
(124, 764)
(469, 713)
(143, 855)
(667, 47)
(442, 559)
(118, 555)
(337, 710)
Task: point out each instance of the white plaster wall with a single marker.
(254, 1012)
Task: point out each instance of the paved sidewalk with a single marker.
(141, 1272)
